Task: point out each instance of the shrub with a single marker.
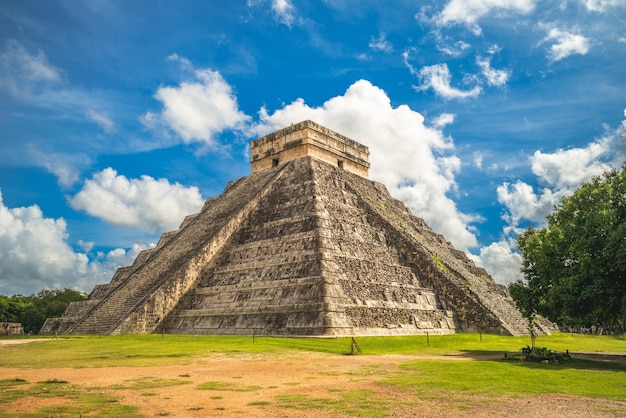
(544, 355)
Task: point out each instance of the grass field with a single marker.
(424, 373)
(145, 350)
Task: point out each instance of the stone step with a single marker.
(259, 263)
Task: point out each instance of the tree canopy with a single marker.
(575, 267)
(32, 311)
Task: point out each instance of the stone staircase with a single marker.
(268, 280)
(134, 286)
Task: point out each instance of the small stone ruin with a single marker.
(11, 329)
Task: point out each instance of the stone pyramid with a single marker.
(304, 245)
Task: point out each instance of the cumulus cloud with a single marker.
(198, 110)
(413, 160)
(565, 44)
(35, 254)
(561, 172)
(522, 202)
(439, 78)
(468, 12)
(567, 169)
(22, 72)
(493, 77)
(501, 261)
(148, 204)
(110, 261)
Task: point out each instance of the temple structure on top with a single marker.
(304, 245)
(309, 139)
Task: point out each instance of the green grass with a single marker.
(451, 380)
(152, 350)
(487, 343)
(511, 378)
(10, 383)
(225, 386)
(75, 400)
(148, 383)
(214, 385)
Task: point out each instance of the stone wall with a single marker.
(11, 328)
(309, 139)
(479, 304)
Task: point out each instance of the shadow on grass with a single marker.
(488, 373)
(582, 361)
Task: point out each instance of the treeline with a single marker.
(32, 311)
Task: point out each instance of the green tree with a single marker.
(32, 311)
(575, 267)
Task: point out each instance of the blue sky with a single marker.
(117, 118)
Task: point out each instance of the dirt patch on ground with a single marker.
(20, 341)
(273, 385)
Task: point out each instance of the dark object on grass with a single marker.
(544, 355)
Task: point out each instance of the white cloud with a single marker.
(103, 120)
(478, 160)
(284, 11)
(494, 77)
(443, 120)
(568, 169)
(21, 72)
(468, 12)
(86, 245)
(184, 62)
(119, 257)
(438, 78)
(411, 159)
(35, 254)
(601, 5)
(563, 172)
(445, 44)
(521, 202)
(501, 261)
(65, 166)
(566, 44)
(198, 110)
(148, 204)
(380, 44)
(494, 49)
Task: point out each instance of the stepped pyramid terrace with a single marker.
(306, 245)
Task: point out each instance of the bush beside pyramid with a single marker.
(304, 245)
